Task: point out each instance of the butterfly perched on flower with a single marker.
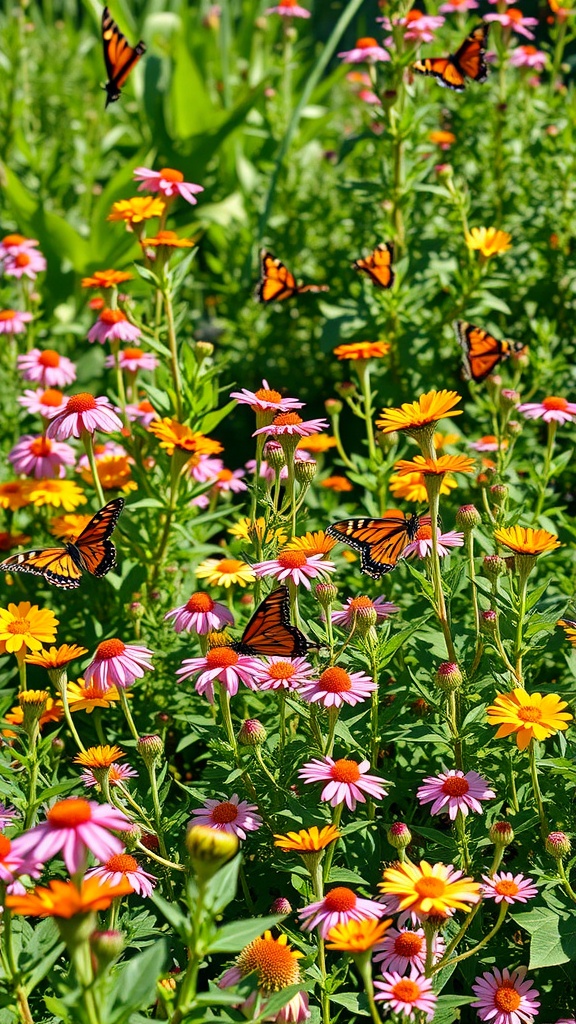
(270, 631)
(119, 56)
(381, 542)
(468, 62)
(278, 283)
(378, 265)
(482, 351)
(92, 552)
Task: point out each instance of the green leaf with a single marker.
(212, 419)
(235, 936)
(356, 1002)
(276, 1002)
(553, 936)
(173, 914)
(221, 889)
(135, 982)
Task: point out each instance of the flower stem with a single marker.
(227, 717)
(332, 720)
(363, 371)
(444, 962)
(173, 345)
(88, 442)
(336, 815)
(365, 971)
(128, 713)
(565, 883)
(543, 480)
(544, 827)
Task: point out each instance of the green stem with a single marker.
(433, 489)
(444, 962)
(336, 816)
(363, 371)
(173, 345)
(10, 961)
(463, 840)
(227, 717)
(157, 809)
(365, 971)
(68, 716)
(22, 674)
(88, 442)
(565, 882)
(127, 713)
(544, 827)
(332, 720)
(33, 783)
(523, 587)
(543, 481)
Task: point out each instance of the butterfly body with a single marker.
(119, 56)
(482, 351)
(378, 265)
(270, 631)
(468, 62)
(92, 552)
(381, 542)
(277, 283)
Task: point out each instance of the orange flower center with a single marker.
(292, 559)
(408, 944)
(41, 446)
(360, 602)
(268, 395)
(145, 406)
(413, 15)
(335, 680)
(69, 813)
(365, 42)
(221, 657)
(506, 887)
(406, 991)
(340, 900)
(430, 887)
(49, 358)
(529, 713)
(122, 862)
(287, 419)
(225, 474)
(52, 397)
(200, 603)
(529, 50)
(170, 175)
(81, 402)
(281, 670)
(455, 786)
(22, 260)
(5, 845)
(132, 353)
(19, 626)
(112, 316)
(345, 771)
(110, 648)
(229, 565)
(12, 240)
(553, 402)
(424, 533)
(515, 14)
(274, 963)
(224, 813)
(506, 998)
(7, 314)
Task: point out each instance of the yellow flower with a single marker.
(15, 494)
(526, 541)
(362, 350)
(307, 840)
(136, 210)
(57, 493)
(26, 625)
(99, 757)
(349, 556)
(317, 543)
(223, 572)
(316, 443)
(529, 715)
(429, 888)
(173, 435)
(435, 467)
(338, 484)
(273, 961)
(53, 712)
(242, 531)
(86, 698)
(411, 487)
(443, 440)
(490, 241)
(169, 239)
(56, 657)
(357, 936)
(106, 278)
(69, 527)
(114, 473)
(424, 412)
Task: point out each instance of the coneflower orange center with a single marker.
(360, 602)
(225, 474)
(408, 944)
(132, 353)
(41, 446)
(506, 887)
(18, 626)
(365, 42)
(455, 786)
(112, 648)
(224, 813)
(122, 862)
(22, 259)
(287, 419)
(529, 713)
(406, 991)
(81, 402)
(5, 845)
(7, 314)
(340, 900)
(51, 397)
(10, 241)
(553, 402)
(515, 14)
(281, 670)
(335, 680)
(507, 998)
(145, 406)
(200, 603)
(221, 657)
(168, 174)
(413, 15)
(292, 559)
(345, 771)
(430, 887)
(268, 395)
(69, 813)
(111, 316)
(424, 533)
(49, 358)
(274, 963)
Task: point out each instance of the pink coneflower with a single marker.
(76, 827)
(12, 864)
(81, 413)
(288, 9)
(46, 402)
(347, 780)
(14, 243)
(24, 264)
(418, 27)
(338, 906)
(230, 481)
(404, 995)
(455, 6)
(200, 615)
(505, 998)
(336, 687)
(515, 20)
(266, 399)
(504, 887)
(366, 51)
(169, 182)
(488, 443)
(296, 566)
(141, 412)
(118, 773)
(113, 325)
(47, 367)
(132, 360)
(206, 470)
(422, 543)
(291, 423)
(117, 664)
(13, 322)
(405, 948)
(38, 456)
(7, 815)
(223, 665)
(355, 607)
(455, 792)
(551, 410)
(528, 57)
(234, 816)
(284, 673)
(368, 96)
(121, 866)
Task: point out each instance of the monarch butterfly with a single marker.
(468, 62)
(270, 632)
(378, 265)
(381, 542)
(277, 283)
(91, 552)
(482, 351)
(119, 56)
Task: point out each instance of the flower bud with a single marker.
(252, 733)
(448, 677)
(203, 350)
(499, 494)
(150, 749)
(444, 172)
(364, 620)
(57, 746)
(558, 845)
(209, 849)
(131, 837)
(467, 517)
(346, 389)
(274, 455)
(386, 442)
(501, 833)
(305, 470)
(399, 835)
(494, 566)
(333, 406)
(107, 946)
(513, 428)
(136, 610)
(509, 399)
(33, 704)
(325, 594)
(488, 621)
(281, 906)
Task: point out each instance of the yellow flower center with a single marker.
(506, 887)
(408, 944)
(406, 991)
(110, 648)
(81, 403)
(170, 175)
(221, 657)
(225, 813)
(122, 862)
(365, 42)
(553, 402)
(287, 419)
(455, 786)
(19, 626)
(292, 559)
(530, 713)
(7, 314)
(132, 353)
(268, 395)
(340, 900)
(335, 680)
(41, 446)
(228, 566)
(69, 813)
(200, 603)
(345, 771)
(281, 670)
(430, 887)
(52, 397)
(49, 358)
(506, 998)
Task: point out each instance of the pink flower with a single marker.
(288, 9)
(48, 368)
(455, 792)
(235, 816)
(167, 181)
(514, 19)
(132, 360)
(199, 615)
(336, 687)
(528, 57)
(551, 410)
(230, 481)
(347, 780)
(118, 773)
(267, 472)
(38, 456)
(12, 864)
(141, 412)
(117, 664)
(404, 995)
(296, 566)
(81, 413)
(223, 665)
(113, 325)
(13, 322)
(7, 815)
(368, 96)
(455, 6)
(508, 888)
(206, 469)
(291, 423)
(338, 906)
(418, 27)
(11, 245)
(366, 51)
(505, 998)
(24, 264)
(355, 607)
(294, 1012)
(46, 402)
(284, 673)
(488, 443)
(404, 948)
(76, 827)
(123, 866)
(422, 543)
(265, 399)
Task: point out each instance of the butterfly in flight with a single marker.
(270, 631)
(381, 542)
(482, 351)
(278, 283)
(119, 56)
(468, 62)
(92, 552)
(378, 265)
(569, 627)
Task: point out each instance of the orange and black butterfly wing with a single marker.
(119, 56)
(444, 70)
(93, 550)
(270, 631)
(470, 58)
(56, 565)
(381, 542)
(276, 281)
(378, 265)
(482, 351)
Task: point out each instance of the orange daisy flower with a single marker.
(64, 899)
(316, 443)
(362, 350)
(338, 484)
(435, 467)
(106, 279)
(526, 541)
(135, 210)
(424, 412)
(169, 239)
(173, 435)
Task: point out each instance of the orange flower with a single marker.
(529, 715)
(63, 899)
(307, 840)
(9, 541)
(411, 486)
(136, 210)
(316, 443)
(339, 484)
(56, 657)
(489, 241)
(173, 435)
(99, 757)
(362, 350)
(317, 543)
(429, 888)
(169, 239)
(357, 936)
(106, 279)
(53, 712)
(69, 527)
(114, 473)
(435, 467)
(15, 494)
(424, 412)
(86, 698)
(442, 138)
(526, 541)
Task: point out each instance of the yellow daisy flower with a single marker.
(317, 543)
(317, 443)
(173, 435)
(242, 531)
(135, 210)
(529, 715)
(15, 494)
(114, 473)
(307, 840)
(99, 757)
(56, 657)
(86, 698)
(411, 487)
(435, 467)
(25, 625)
(57, 493)
(69, 527)
(488, 241)
(224, 572)
(526, 541)
(424, 412)
(357, 936)
(429, 888)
